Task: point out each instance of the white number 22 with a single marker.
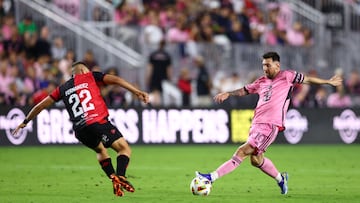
(85, 104)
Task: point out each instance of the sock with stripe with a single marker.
(226, 167)
(269, 168)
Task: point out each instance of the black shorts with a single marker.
(95, 133)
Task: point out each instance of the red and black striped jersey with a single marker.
(82, 98)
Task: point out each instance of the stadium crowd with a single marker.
(33, 60)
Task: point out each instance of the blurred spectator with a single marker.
(159, 69)
(126, 16)
(205, 26)
(15, 43)
(320, 97)
(352, 83)
(194, 37)
(114, 95)
(58, 50)
(230, 83)
(30, 81)
(15, 96)
(99, 15)
(184, 84)
(7, 7)
(245, 23)
(89, 59)
(2, 9)
(6, 78)
(179, 34)
(168, 17)
(15, 62)
(257, 26)
(65, 64)
(42, 71)
(304, 95)
(295, 35)
(203, 83)
(308, 37)
(339, 99)
(43, 92)
(27, 25)
(54, 71)
(71, 7)
(30, 40)
(236, 33)
(222, 20)
(8, 23)
(43, 45)
(152, 32)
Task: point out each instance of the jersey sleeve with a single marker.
(295, 77)
(55, 94)
(252, 88)
(99, 77)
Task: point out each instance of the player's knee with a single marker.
(121, 147)
(255, 161)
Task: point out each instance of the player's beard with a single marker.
(268, 75)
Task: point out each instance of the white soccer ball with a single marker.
(200, 186)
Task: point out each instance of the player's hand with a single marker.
(336, 80)
(219, 98)
(143, 96)
(22, 125)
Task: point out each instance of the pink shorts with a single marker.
(261, 136)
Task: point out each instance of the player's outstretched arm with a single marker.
(115, 80)
(48, 101)
(336, 80)
(219, 98)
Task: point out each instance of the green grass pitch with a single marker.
(162, 173)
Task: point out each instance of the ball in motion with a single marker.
(200, 186)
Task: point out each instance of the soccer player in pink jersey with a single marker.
(274, 90)
(89, 115)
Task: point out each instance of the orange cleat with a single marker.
(126, 184)
(117, 186)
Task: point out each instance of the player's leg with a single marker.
(265, 135)
(89, 136)
(267, 166)
(241, 153)
(105, 162)
(111, 137)
(124, 152)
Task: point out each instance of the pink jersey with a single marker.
(274, 96)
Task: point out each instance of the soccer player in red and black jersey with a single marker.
(88, 113)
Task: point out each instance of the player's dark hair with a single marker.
(78, 63)
(273, 55)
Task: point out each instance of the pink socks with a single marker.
(228, 166)
(268, 167)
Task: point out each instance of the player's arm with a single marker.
(334, 81)
(48, 101)
(219, 98)
(115, 80)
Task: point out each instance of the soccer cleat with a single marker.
(117, 186)
(126, 184)
(205, 175)
(283, 184)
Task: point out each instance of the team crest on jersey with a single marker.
(105, 139)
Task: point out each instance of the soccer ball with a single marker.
(200, 186)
